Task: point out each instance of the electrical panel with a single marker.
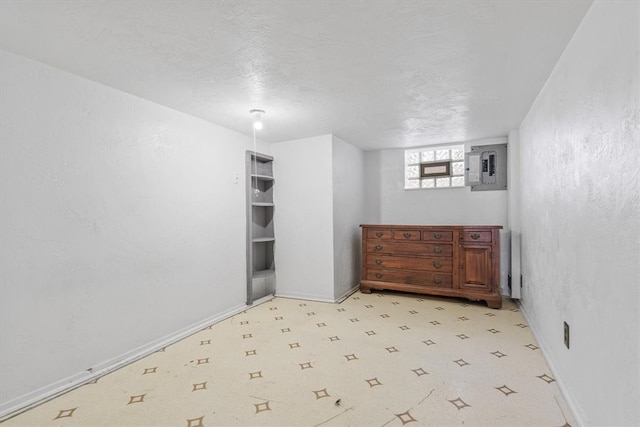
(486, 167)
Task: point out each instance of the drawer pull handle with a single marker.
(461, 266)
(379, 275)
(378, 261)
(437, 280)
(437, 249)
(407, 235)
(475, 236)
(438, 236)
(437, 264)
(379, 233)
(378, 248)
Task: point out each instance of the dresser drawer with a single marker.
(437, 236)
(422, 278)
(443, 265)
(410, 248)
(476, 236)
(376, 234)
(406, 234)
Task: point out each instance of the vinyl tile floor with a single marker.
(379, 359)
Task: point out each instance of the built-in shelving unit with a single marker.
(260, 233)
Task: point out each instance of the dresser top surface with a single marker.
(416, 227)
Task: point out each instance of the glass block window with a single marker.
(417, 161)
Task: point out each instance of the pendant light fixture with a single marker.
(256, 115)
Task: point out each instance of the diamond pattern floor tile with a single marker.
(375, 359)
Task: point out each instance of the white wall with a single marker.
(580, 147)
(120, 223)
(319, 202)
(511, 250)
(441, 206)
(303, 219)
(348, 214)
(513, 176)
(372, 184)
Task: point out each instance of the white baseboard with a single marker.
(262, 300)
(318, 298)
(303, 296)
(574, 407)
(27, 401)
(346, 294)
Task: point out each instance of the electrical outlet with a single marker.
(566, 334)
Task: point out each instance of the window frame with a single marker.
(425, 165)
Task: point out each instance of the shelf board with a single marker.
(263, 239)
(262, 177)
(261, 204)
(262, 158)
(263, 273)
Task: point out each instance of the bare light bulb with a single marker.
(257, 118)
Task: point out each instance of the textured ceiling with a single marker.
(378, 74)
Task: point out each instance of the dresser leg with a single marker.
(494, 303)
(365, 289)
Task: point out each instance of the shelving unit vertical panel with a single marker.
(260, 227)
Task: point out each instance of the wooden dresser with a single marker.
(460, 261)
